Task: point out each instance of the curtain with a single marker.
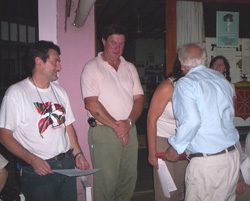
(189, 22)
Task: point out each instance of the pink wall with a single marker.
(77, 47)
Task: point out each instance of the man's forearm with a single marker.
(80, 160)
(137, 107)
(73, 139)
(99, 112)
(10, 143)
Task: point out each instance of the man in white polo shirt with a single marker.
(113, 96)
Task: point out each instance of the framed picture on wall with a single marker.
(227, 29)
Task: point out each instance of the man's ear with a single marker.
(103, 41)
(38, 61)
(182, 67)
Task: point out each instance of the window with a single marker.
(18, 28)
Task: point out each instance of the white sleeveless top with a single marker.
(166, 123)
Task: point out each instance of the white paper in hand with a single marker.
(166, 180)
(76, 172)
(245, 169)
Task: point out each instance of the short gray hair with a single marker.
(188, 58)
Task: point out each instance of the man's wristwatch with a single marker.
(131, 122)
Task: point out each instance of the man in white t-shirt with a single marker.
(113, 96)
(36, 126)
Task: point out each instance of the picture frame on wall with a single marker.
(227, 29)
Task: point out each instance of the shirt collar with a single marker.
(100, 57)
(194, 69)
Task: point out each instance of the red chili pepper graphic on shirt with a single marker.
(51, 114)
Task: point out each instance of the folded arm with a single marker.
(123, 126)
(187, 116)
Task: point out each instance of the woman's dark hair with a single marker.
(177, 72)
(113, 29)
(39, 49)
(227, 73)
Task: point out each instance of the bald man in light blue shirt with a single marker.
(204, 112)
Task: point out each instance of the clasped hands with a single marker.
(121, 130)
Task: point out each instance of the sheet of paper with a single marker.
(245, 169)
(166, 180)
(245, 47)
(76, 172)
(246, 64)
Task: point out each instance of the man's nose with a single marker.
(118, 46)
(59, 67)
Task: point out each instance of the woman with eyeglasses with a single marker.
(221, 64)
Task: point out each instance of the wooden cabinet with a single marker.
(242, 103)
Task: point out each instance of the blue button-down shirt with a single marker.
(204, 112)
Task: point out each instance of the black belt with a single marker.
(202, 155)
(60, 156)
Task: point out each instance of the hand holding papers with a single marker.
(166, 180)
(76, 172)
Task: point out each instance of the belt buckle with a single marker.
(59, 156)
